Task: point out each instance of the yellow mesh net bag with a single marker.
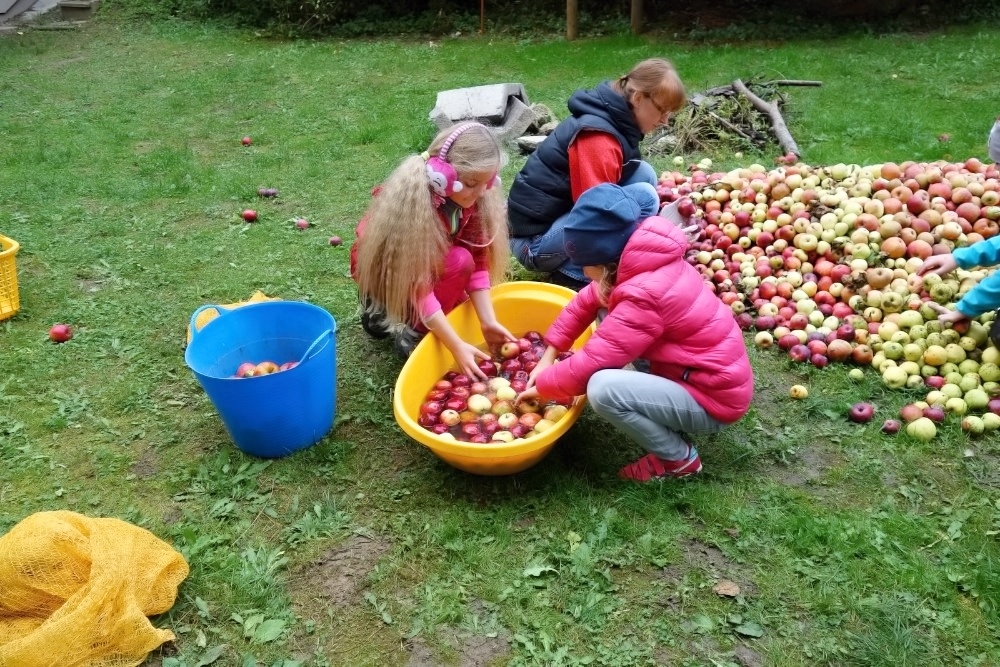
(76, 591)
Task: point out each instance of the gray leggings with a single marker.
(653, 410)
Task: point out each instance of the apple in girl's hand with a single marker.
(509, 350)
(524, 344)
(60, 333)
(246, 369)
(528, 405)
(450, 418)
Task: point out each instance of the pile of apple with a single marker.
(462, 408)
(821, 262)
(248, 369)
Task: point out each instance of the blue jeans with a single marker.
(545, 253)
(652, 410)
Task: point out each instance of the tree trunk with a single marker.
(571, 14)
(636, 17)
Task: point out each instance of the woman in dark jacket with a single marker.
(598, 144)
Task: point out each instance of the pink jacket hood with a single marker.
(660, 310)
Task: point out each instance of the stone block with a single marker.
(78, 10)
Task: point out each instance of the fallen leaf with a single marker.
(726, 588)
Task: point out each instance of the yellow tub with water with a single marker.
(521, 307)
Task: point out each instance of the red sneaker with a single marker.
(651, 467)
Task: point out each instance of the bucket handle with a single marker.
(315, 348)
(193, 328)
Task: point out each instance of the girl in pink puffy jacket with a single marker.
(658, 309)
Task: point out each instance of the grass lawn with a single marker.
(123, 177)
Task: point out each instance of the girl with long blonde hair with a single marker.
(434, 235)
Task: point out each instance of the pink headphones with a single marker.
(442, 175)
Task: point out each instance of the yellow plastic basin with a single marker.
(521, 307)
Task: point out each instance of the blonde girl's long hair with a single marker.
(656, 78)
(607, 282)
(403, 245)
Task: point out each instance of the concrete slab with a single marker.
(502, 106)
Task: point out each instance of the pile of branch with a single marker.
(737, 116)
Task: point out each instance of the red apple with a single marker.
(488, 367)
(456, 403)
(335, 241)
(246, 369)
(249, 215)
(246, 141)
(288, 365)
(510, 350)
(861, 412)
(461, 380)
(266, 368)
(60, 333)
(891, 426)
(934, 413)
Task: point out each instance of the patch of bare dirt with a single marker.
(148, 464)
(338, 576)
(711, 560)
(810, 464)
(471, 651)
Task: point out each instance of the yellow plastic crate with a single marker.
(9, 300)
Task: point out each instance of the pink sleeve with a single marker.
(479, 280)
(429, 305)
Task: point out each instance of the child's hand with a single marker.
(946, 316)
(939, 264)
(529, 393)
(495, 335)
(467, 357)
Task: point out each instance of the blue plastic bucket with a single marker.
(280, 413)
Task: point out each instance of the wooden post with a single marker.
(636, 17)
(571, 14)
(482, 16)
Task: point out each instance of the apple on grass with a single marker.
(861, 412)
(60, 333)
